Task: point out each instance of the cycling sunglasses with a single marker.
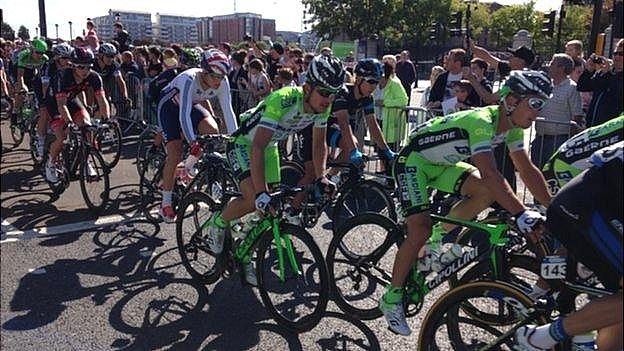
(536, 104)
(83, 67)
(216, 75)
(324, 92)
(371, 81)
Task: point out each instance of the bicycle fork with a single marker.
(282, 241)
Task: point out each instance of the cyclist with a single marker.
(108, 69)
(28, 63)
(253, 154)
(67, 102)
(180, 111)
(61, 56)
(586, 216)
(433, 158)
(350, 100)
(571, 157)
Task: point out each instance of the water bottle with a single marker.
(451, 252)
(584, 342)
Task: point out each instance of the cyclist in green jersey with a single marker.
(28, 62)
(434, 158)
(571, 157)
(253, 154)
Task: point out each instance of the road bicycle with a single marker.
(292, 276)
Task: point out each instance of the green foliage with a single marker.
(508, 20)
(576, 24)
(7, 32)
(22, 32)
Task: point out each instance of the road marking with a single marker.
(12, 234)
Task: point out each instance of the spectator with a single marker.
(307, 58)
(226, 48)
(141, 56)
(154, 65)
(91, 28)
(442, 88)
(129, 66)
(461, 91)
(285, 78)
(275, 60)
(435, 72)
(476, 77)
(606, 84)
(406, 72)
(259, 84)
(92, 42)
(238, 83)
(574, 49)
(79, 42)
(327, 51)
(394, 98)
(121, 36)
(170, 59)
(564, 106)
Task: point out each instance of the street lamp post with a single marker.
(56, 26)
(71, 36)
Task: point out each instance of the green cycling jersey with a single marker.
(25, 60)
(572, 157)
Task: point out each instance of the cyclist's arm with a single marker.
(319, 153)
(102, 102)
(531, 176)
(225, 100)
(122, 84)
(20, 85)
(342, 117)
(375, 132)
(494, 181)
(261, 139)
(61, 102)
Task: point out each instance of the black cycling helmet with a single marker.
(107, 49)
(326, 71)
(527, 82)
(369, 68)
(82, 56)
(62, 50)
(189, 57)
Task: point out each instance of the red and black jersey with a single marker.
(67, 86)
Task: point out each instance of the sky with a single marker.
(287, 13)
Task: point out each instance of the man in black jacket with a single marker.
(121, 36)
(442, 89)
(406, 72)
(606, 84)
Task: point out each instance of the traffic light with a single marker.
(548, 25)
(433, 31)
(456, 24)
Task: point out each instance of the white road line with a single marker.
(12, 234)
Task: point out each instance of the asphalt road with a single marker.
(72, 280)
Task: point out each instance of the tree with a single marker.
(508, 20)
(576, 24)
(7, 32)
(22, 32)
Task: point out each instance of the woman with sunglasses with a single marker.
(254, 156)
(28, 64)
(434, 158)
(181, 111)
(66, 102)
(61, 56)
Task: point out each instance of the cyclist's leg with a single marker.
(464, 179)
(170, 125)
(42, 122)
(204, 121)
(610, 338)
(308, 165)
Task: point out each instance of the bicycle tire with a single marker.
(265, 244)
(17, 131)
(102, 174)
(37, 159)
(146, 139)
(195, 243)
(337, 246)
(450, 303)
(148, 189)
(291, 172)
(109, 148)
(341, 209)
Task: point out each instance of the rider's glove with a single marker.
(356, 157)
(196, 149)
(388, 154)
(528, 221)
(263, 201)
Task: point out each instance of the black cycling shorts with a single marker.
(332, 138)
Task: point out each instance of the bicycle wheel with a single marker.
(214, 180)
(94, 181)
(194, 211)
(37, 159)
(108, 142)
(290, 172)
(364, 196)
(447, 327)
(149, 189)
(359, 261)
(146, 141)
(298, 303)
(17, 130)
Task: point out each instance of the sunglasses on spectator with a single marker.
(536, 104)
(324, 92)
